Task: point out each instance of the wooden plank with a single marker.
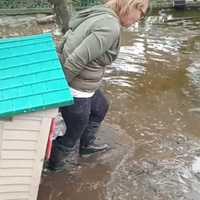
(15, 172)
(18, 154)
(14, 188)
(16, 164)
(19, 145)
(22, 135)
(25, 11)
(14, 180)
(179, 3)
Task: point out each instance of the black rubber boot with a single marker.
(93, 148)
(62, 158)
(87, 142)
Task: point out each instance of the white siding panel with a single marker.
(44, 132)
(40, 114)
(15, 196)
(22, 149)
(51, 113)
(19, 145)
(20, 135)
(14, 180)
(15, 172)
(16, 164)
(16, 188)
(1, 136)
(16, 124)
(18, 154)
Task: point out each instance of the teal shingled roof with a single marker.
(31, 76)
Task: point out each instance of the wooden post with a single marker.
(179, 3)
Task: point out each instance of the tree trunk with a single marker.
(62, 13)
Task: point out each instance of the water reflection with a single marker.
(154, 87)
(196, 165)
(153, 84)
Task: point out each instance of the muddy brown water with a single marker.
(153, 87)
(154, 92)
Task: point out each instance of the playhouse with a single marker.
(32, 86)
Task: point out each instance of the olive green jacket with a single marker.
(91, 43)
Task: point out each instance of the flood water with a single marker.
(154, 93)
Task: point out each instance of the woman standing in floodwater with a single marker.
(91, 43)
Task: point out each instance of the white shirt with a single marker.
(81, 94)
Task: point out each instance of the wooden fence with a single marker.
(159, 4)
(13, 7)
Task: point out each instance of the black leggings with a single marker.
(83, 119)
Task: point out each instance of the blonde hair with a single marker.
(123, 7)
